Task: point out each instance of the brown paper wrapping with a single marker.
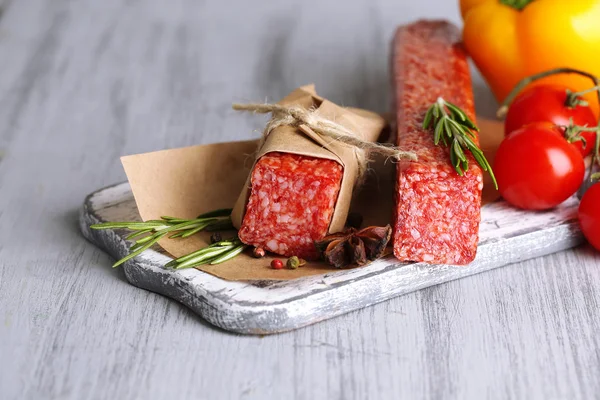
(193, 180)
(304, 141)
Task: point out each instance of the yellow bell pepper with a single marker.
(512, 39)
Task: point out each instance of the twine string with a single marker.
(329, 130)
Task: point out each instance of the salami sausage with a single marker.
(292, 198)
(437, 211)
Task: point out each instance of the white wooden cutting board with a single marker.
(507, 236)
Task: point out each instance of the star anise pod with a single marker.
(354, 247)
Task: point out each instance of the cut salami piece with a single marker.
(437, 211)
(292, 198)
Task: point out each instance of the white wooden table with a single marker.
(83, 82)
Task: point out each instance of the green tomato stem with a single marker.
(595, 158)
(586, 91)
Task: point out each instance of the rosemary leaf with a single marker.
(138, 233)
(155, 221)
(459, 151)
(455, 163)
(428, 117)
(464, 118)
(436, 113)
(170, 264)
(447, 127)
(172, 219)
(137, 252)
(128, 225)
(145, 239)
(197, 264)
(229, 255)
(456, 130)
(177, 235)
(470, 144)
(227, 242)
(187, 257)
(438, 132)
(202, 257)
(137, 246)
(224, 243)
(194, 231)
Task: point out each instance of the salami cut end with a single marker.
(438, 215)
(437, 211)
(292, 199)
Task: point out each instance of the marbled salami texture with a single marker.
(292, 198)
(437, 211)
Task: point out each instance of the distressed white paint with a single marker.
(507, 235)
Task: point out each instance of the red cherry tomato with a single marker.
(536, 168)
(546, 103)
(589, 215)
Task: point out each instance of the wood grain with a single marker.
(83, 82)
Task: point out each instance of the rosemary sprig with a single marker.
(454, 129)
(216, 253)
(146, 234)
